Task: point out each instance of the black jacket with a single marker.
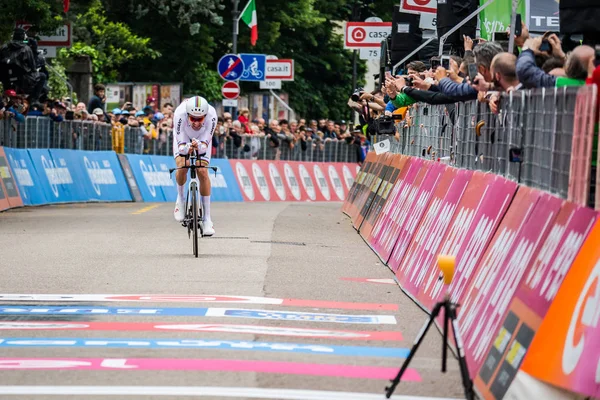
(20, 54)
(429, 96)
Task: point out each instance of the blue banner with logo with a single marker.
(25, 176)
(102, 176)
(150, 179)
(152, 176)
(224, 186)
(56, 176)
(168, 184)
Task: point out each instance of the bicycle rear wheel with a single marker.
(195, 218)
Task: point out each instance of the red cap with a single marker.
(150, 99)
(10, 93)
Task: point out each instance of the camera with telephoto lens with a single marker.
(356, 95)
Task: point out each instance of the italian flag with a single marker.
(249, 17)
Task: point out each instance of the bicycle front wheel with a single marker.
(195, 219)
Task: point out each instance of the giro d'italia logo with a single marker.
(277, 181)
(307, 182)
(322, 182)
(244, 180)
(292, 181)
(261, 181)
(336, 182)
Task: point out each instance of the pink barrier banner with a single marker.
(179, 364)
(565, 351)
(308, 180)
(371, 178)
(374, 197)
(251, 178)
(262, 180)
(475, 221)
(383, 220)
(349, 172)
(517, 232)
(414, 209)
(384, 235)
(423, 250)
(358, 184)
(533, 298)
(397, 166)
(336, 175)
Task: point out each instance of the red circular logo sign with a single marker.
(230, 90)
(359, 34)
(422, 2)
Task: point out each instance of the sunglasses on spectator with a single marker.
(196, 119)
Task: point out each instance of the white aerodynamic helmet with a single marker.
(196, 106)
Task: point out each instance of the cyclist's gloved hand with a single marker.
(184, 149)
(201, 146)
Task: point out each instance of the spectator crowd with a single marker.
(483, 73)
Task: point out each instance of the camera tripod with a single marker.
(449, 318)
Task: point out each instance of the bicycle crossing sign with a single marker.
(255, 66)
(230, 67)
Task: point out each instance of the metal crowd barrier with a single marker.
(263, 148)
(540, 138)
(42, 132)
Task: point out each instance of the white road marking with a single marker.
(201, 391)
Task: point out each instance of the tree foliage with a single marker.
(56, 80)
(109, 44)
(181, 41)
(44, 15)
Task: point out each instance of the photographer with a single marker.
(16, 57)
(578, 65)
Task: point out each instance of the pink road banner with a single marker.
(475, 311)
(423, 250)
(533, 298)
(179, 364)
(471, 229)
(413, 211)
(178, 327)
(383, 237)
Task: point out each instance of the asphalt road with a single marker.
(243, 342)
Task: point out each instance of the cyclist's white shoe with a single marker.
(179, 212)
(209, 229)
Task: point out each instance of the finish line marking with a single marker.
(229, 328)
(200, 312)
(199, 391)
(385, 281)
(143, 210)
(356, 351)
(159, 298)
(178, 364)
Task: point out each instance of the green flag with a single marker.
(496, 17)
(249, 17)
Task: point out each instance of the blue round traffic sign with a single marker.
(230, 67)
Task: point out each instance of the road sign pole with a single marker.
(354, 73)
(236, 24)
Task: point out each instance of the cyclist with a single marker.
(195, 122)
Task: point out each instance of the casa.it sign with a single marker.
(282, 70)
(61, 37)
(418, 6)
(361, 35)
